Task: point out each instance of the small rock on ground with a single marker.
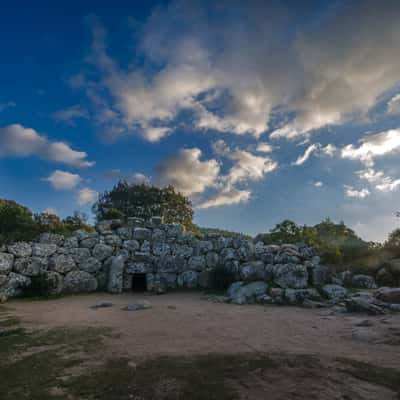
(143, 305)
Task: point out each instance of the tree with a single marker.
(16, 222)
(144, 201)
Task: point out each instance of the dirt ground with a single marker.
(257, 352)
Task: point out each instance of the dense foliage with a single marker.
(337, 243)
(144, 201)
(18, 223)
(222, 232)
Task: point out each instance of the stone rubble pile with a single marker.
(116, 256)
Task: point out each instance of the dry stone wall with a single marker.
(166, 256)
(159, 257)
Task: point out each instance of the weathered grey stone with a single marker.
(241, 293)
(245, 251)
(125, 233)
(30, 266)
(102, 251)
(51, 238)
(71, 242)
(320, 275)
(79, 255)
(79, 282)
(168, 279)
(227, 254)
(3, 280)
(334, 292)
(6, 262)
(182, 250)
(363, 282)
(43, 249)
(197, 263)
(54, 282)
(293, 276)
(115, 280)
(173, 230)
(155, 284)
(141, 234)
(203, 247)
(131, 245)
(277, 294)
(388, 295)
(253, 270)
(135, 222)
(145, 247)
(62, 263)
(90, 265)
(143, 305)
(212, 259)
(143, 257)
(297, 296)
(363, 304)
(345, 277)
(113, 240)
(20, 249)
(14, 286)
(161, 249)
(188, 279)
(137, 268)
(158, 235)
(89, 242)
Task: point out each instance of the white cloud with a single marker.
(70, 114)
(226, 197)
(62, 180)
(379, 180)
(87, 196)
(359, 194)
(18, 141)
(310, 150)
(393, 106)
(137, 178)
(317, 149)
(264, 148)
(372, 146)
(187, 173)
(317, 184)
(234, 80)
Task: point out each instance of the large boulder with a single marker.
(253, 270)
(320, 275)
(212, 259)
(62, 263)
(363, 304)
(113, 240)
(363, 282)
(91, 265)
(115, 278)
(197, 263)
(102, 251)
(188, 279)
(20, 249)
(334, 292)
(161, 249)
(79, 282)
(54, 282)
(182, 250)
(30, 266)
(242, 293)
(79, 254)
(170, 263)
(43, 249)
(141, 234)
(297, 296)
(293, 276)
(388, 295)
(51, 238)
(14, 286)
(6, 263)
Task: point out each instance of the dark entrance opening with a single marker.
(139, 283)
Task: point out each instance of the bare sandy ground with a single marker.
(185, 324)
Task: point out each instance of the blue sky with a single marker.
(258, 111)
